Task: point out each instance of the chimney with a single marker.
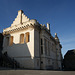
(48, 26)
(20, 14)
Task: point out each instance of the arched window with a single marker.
(27, 37)
(11, 40)
(22, 38)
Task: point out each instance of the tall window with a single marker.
(52, 46)
(48, 48)
(22, 38)
(41, 42)
(11, 40)
(41, 46)
(27, 37)
(45, 47)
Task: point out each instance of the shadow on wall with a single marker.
(22, 54)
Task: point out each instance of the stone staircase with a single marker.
(8, 62)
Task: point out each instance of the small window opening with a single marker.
(22, 38)
(11, 40)
(27, 37)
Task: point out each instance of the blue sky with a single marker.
(59, 13)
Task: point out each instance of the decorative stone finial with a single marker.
(55, 34)
(56, 37)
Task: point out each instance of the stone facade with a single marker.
(31, 44)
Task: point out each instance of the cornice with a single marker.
(23, 26)
(19, 28)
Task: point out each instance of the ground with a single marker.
(35, 72)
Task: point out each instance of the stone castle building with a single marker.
(31, 44)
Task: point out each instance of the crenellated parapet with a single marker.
(43, 27)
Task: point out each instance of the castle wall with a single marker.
(31, 52)
(49, 59)
(23, 53)
(36, 49)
